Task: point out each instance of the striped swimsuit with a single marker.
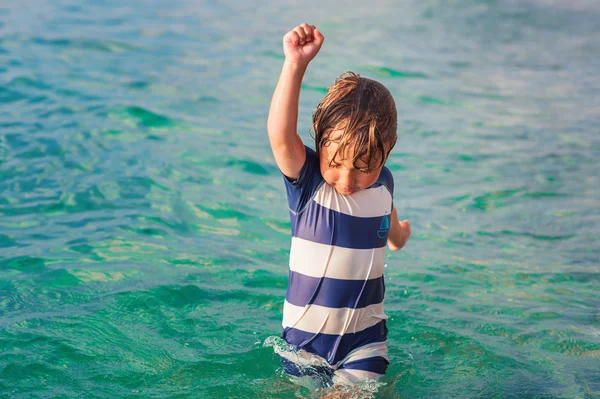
(334, 302)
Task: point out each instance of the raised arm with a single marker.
(300, 46)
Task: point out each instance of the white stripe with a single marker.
(351, 376)
(365, 352)
(322, 260)
(320, 319)
(368, 203)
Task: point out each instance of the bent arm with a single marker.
(399, 232)
(286, 144)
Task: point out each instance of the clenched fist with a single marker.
(301, 44)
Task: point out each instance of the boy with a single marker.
(340, 200)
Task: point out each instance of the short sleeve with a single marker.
(386, 179)
(300, 191)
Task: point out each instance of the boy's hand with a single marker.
(301, 44)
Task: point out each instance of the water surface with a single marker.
(144, 232)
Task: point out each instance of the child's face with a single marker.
(345, 177)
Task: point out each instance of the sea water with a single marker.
(144, 231)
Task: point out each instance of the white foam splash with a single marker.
(305, 361)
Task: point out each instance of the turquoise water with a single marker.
(144, 232)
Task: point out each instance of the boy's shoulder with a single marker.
(311, 153)
(301, 190)
(311, 164)
(385, 179)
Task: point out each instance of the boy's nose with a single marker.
(346, 180)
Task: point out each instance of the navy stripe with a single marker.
(375, 364)
(323, 373)
(326, 226)
(332, 292)
(334, 347)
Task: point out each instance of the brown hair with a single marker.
(365, 112)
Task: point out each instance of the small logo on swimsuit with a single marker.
(384, 228)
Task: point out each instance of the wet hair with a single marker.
(365, 112)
